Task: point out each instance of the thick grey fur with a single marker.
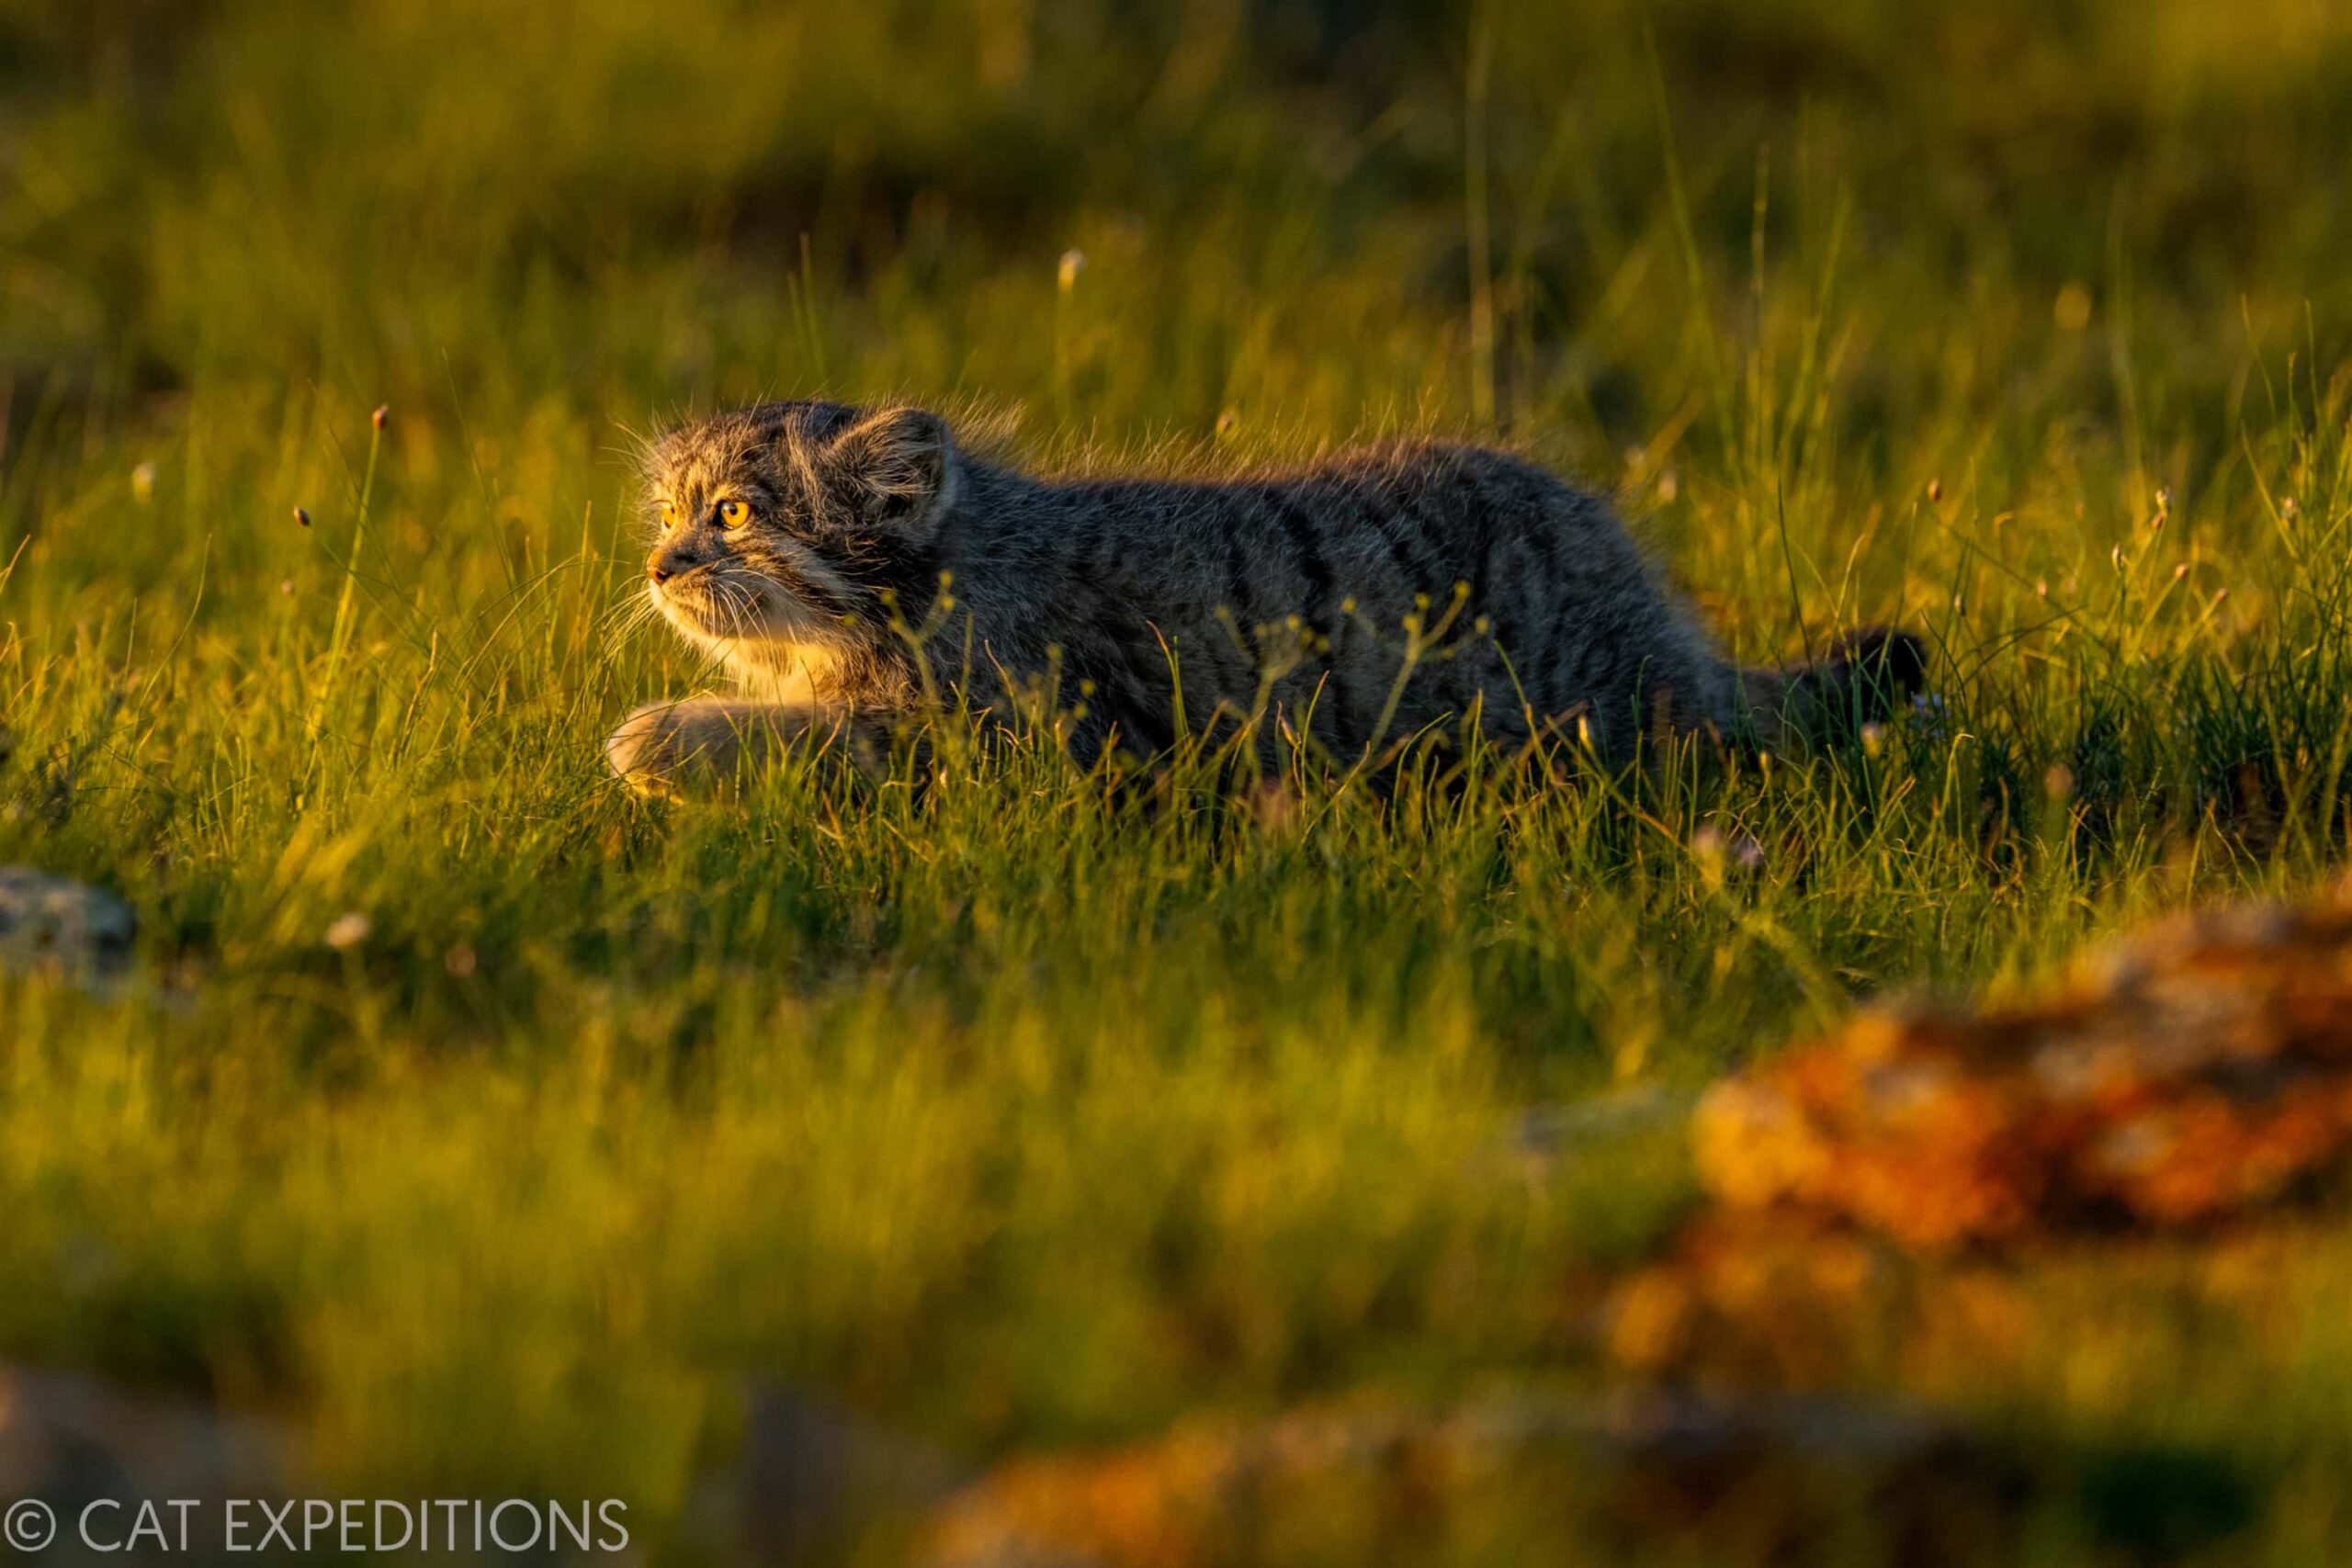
(877, 567)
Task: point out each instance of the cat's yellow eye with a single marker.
(669, 512)
(731, 514)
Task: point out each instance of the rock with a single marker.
(1555, 1131)
(812, 1482)
(1625, 1476)
(1910, 1169)
(814, 1474)
(2200, 1070)
(51, 925)
(67, 1438)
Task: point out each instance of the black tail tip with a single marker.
(1890, 658)
(1864, 677)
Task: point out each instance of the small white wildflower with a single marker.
(349, 930)
(1874, 737)
(1073, 262)
(142, 483)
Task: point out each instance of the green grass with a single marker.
(1010, 1112)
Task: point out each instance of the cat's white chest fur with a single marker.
(782, 672)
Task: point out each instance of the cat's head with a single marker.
(792, 522)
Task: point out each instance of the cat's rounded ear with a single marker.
(895, 464)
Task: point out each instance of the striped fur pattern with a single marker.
(1377, 595)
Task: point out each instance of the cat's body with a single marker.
(1375, 595)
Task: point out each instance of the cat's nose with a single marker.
(668, 564)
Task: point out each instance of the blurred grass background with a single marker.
(1014, 1117)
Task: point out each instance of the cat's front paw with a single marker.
(645, 751)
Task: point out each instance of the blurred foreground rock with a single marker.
(812, 1481)
(1366, 1481)
(51, 925)
(2200, 1070)
(1555, 1131)
(1926, 1167)
(67, 1438)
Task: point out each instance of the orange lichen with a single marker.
(2203, 1069)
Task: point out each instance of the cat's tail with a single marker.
(1865, 677)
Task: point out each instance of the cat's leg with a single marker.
(704, 744)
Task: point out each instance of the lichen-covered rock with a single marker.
(2201, 1070)
(50, 924)
(1522, 1477)
(1870, 1185)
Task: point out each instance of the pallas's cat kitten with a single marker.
(1378, 595)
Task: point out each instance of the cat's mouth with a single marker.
(730, 606)
(708, 604)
